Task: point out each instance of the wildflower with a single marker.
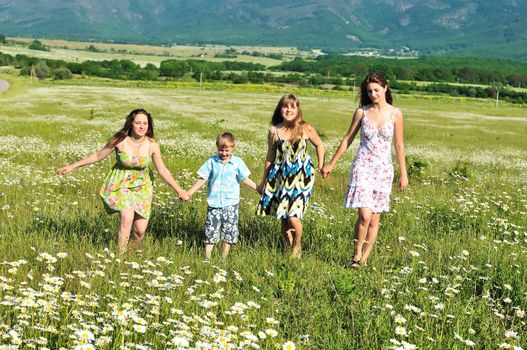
(85, 347)
(271, 332)
(401, 331)
(85, 336)
(511, 334)
(520, 313)
(180, 341)
(252, 304)
(439, 306)
(469, 342)
(400, 319)
(271, 320)
(219, 278)
(288, 345)
(139, 328)
(408, 346)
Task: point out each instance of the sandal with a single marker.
(354, 264)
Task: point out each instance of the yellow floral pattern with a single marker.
(129, 185)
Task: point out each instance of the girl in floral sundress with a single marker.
(289, 174)
(371, 174)
(128, 187)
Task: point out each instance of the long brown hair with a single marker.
(298, 126)
(127, 128)
(377, 78)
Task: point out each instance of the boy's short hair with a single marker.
(224, 139)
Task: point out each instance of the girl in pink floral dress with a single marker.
(128, 187)
(371, 174)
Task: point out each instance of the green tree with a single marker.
(3, 39)
(92, 48)
(173, 68)
(41, 70)
(62, 73)
(37, 45)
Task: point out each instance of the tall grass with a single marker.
(448, 270)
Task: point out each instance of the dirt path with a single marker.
(4, 85)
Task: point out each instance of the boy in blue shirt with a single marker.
(222, 173)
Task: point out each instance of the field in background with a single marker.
(448, 270)
(75, 51)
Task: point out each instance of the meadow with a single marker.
(448, 270)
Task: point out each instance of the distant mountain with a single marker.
(460, 27)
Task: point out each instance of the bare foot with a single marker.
(296, 252)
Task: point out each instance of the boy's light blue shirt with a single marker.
(223, 187)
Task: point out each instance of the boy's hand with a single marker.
(184, 196)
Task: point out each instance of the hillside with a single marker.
(466, 27)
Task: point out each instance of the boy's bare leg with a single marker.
(225, 249)
(208, 250)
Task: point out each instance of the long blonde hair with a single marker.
(298, 123)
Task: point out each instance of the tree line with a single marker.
(472, 70)
(299, 72)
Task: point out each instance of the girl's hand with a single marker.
(183, 196)
(403, 183)
(260, 188)
(326, 170)
(64, 170)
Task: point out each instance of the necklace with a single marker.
(137, 145)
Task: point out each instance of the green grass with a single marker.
(450, 258)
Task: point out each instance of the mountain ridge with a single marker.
(463, 27)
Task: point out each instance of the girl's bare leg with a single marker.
(126, 220)
(361, 229)
(139, 229)
(371, 237)
(287, 235)
(296, 225)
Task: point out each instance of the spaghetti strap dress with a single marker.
(371, 173)
(129, 185)
(290, 181)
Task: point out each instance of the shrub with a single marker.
(62, 73)
(37, 45)
(41, 70)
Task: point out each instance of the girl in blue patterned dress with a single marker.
(289, 174)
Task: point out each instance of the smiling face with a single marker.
(376, 92)
(140, 125)
(289, 111)
(225, 151)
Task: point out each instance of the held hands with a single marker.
(260, 188)
(326, 170)
(183, 196)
